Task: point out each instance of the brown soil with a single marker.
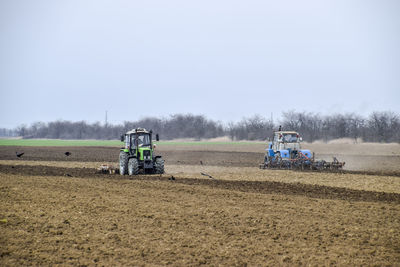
(97, 154)
(110, 154)
(180, 155)
(56, 212)
(264, 187)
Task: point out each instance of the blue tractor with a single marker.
(285, 152)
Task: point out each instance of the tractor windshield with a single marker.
(141, 140)
(290, 138)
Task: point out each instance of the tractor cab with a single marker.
(286, 144)
(134, 140)
(285, 140)
(138, 138)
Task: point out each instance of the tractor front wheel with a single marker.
(123, 163)
(133, 166)
(159, 166)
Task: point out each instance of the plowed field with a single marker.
(59, 210)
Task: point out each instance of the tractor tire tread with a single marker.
(133, 166)
(159, 166)
(123, 163)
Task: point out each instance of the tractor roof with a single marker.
(138, 130)
(286, 132)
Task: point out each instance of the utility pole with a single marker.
(106, 122)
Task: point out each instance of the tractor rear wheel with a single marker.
(159, 166)
(133, 166)
(123, 163)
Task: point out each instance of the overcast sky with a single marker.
(73, 60)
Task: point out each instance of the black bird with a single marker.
(172, 178)
(201, 163)
(205, 174)
(67, 153)
(19, 155)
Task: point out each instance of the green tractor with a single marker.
(138, 153)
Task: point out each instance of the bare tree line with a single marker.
(177, 126)
(377, 127)
(4, 132)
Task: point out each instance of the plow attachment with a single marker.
(301, 162)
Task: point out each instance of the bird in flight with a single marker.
(19, 154)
